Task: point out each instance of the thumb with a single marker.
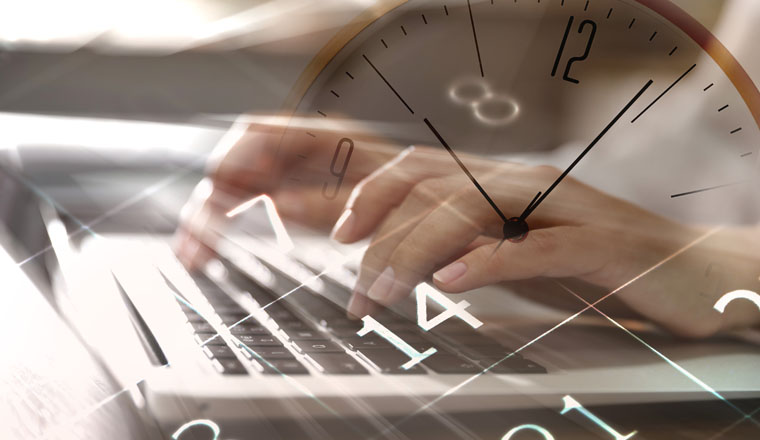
(562, 251)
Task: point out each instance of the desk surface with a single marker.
(51, 385)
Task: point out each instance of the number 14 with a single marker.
(422, 293)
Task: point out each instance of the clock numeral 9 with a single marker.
(572, 60)
(341, 172)
(422, 293)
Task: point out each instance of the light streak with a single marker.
(673, 364)
(283, 238)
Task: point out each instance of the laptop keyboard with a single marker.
(305, 328)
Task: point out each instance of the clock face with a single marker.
(534, 82)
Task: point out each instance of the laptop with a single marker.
(261, 333)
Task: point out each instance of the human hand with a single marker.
(428, 219)
(291, 167)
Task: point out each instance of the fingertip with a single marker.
(290, 204)
(344, 228)
(450, 273)
(359, 306)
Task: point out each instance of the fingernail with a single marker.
(382, 285)
(450, 272)
(290, 204)
(342, 230)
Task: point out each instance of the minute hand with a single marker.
(466, 171)
(540, 198)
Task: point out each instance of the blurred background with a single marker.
(105, 102)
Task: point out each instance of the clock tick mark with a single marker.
(708, 87)
(722, 108)
(335, 93)
(475, 37)
(403, 30)
(609, 13)
(632, 22)
(697, 191)
(653, 35)
(311, 134)
(302, 156)
(746, 154)
(673, 51)
(384, 43)
(349, 75)
(321, 113)
(585, 8)
(446, 9)
(736, 131)
(424, 19)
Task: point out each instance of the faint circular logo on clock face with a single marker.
(488, 107)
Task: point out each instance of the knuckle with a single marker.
(425, 190)
(409, 258)
(547, 172)
(545, 244)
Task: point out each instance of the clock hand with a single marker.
(466, 171)
(541, 197)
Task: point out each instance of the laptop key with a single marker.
(283, 366)
(450, 364)
(209, 339)
(302, 335)
(390, 360)
(232, 367)
(232, 318)
(248, 329)
(320, 346)
(345, 332)
(512, 365)
(203, 327)
(338, 363)
(272, 353)
(289, 325)
(259, 340)
(219, 351)
(366, 342)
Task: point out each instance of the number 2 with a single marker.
(572, 60)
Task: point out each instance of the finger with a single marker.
(375, 196)
(308, 206)
(360, 306)
(200, 218)
(564, 251)
(401, 222)
(444, 232)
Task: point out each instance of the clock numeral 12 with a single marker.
(422, 293)
(572, 60)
